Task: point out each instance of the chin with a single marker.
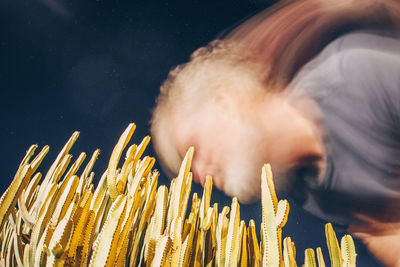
(244, 182)
(243, 194)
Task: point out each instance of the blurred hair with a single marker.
(211, 69)
(264, 53)
(290, 33)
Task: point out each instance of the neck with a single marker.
(292, 137)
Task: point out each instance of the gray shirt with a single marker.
(355, 81)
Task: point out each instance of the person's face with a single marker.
(228, 146)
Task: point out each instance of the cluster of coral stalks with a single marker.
(127, 220)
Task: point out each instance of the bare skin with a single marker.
(236, 136)
(380, 237)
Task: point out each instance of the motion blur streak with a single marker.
(284, 44)
(57, 7)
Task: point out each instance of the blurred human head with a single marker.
(209, 103)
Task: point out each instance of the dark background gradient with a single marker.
(95, 66)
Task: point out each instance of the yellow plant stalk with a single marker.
(243, 262)
(254, 248)
(320, 257)
(114, 160)
(289, 253)
(309, 258)
(64, 220)
(232, 240)
(348, 251)
(333, 246)
(274, 217)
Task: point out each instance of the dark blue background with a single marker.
(95, 66)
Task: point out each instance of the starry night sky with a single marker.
(95, 66)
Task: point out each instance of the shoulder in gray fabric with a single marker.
(355, 81)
